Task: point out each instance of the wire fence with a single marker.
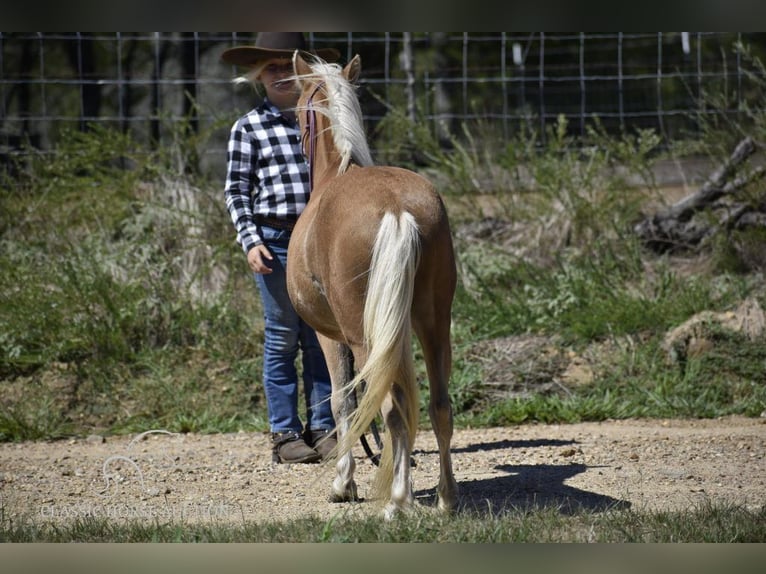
(150, 84)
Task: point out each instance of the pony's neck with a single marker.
(327, 159)
(339, 137)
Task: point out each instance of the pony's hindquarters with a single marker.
(389, 373)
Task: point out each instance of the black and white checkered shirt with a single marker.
(267, 173)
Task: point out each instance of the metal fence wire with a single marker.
(147, 83)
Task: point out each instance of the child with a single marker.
(267, 187)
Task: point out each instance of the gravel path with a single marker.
(644, 465)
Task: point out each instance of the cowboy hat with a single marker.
(274, 45)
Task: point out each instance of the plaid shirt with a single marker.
(266, 174)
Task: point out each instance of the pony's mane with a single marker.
(344, 112)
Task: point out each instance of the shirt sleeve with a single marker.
(241, 184)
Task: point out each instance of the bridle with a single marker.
(311, 127)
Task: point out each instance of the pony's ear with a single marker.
(353, 69)
(300, 66)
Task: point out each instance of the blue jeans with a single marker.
(286, 333)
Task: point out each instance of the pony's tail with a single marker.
(388, 336)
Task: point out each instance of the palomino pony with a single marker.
(371, 260)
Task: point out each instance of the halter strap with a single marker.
(312, 120)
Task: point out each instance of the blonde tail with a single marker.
(388, 336)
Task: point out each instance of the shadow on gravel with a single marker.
(504, 444)
(527, 487)
(501, 445)
(534, 487)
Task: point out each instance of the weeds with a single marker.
(125, 305)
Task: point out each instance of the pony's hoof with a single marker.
(338, 499)
(393, 510)
(348, 495)
(447, 497)
(390, 512)
(446, 507)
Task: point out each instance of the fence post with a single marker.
(659, 85)
(504, 83)
(541, 81)
(620, 94)
(409, 74)
(582, 84)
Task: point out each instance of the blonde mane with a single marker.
(345, 114)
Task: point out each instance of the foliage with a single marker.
(124, 304)
(115, 271)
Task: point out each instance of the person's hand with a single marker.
(257, 258)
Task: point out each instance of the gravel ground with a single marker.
(644, 465)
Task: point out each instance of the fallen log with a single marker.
(676, 227)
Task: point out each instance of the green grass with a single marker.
(707, 522)
(640, 384)
(125, 305)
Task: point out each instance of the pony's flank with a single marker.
(345, 115)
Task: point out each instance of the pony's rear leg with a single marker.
(340, 363)
(438, 358)
(401, 497)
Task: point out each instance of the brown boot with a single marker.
(322, 441)
(290, 448)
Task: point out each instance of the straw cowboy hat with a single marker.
(274, 45)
